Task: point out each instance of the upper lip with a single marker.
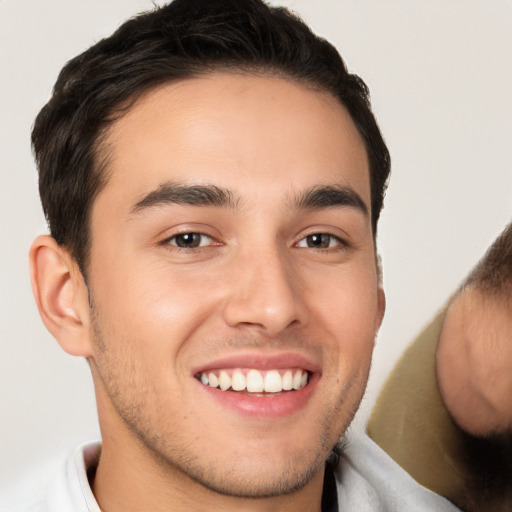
(259, 361)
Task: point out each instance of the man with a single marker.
(212, 178)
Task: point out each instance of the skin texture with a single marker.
(255, 287)
(474, 359)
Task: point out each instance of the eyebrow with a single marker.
(193, 195)
(330, 196)
(316, 198)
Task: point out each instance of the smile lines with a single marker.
(255, 381)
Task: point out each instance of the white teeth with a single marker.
(273, 382)
(238, 381)
(297, 380)
(288, 380)
(213, 380)
(224, 381)
(254, 381)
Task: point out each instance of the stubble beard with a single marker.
(179, 460)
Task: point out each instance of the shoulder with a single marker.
(59, 485)
(368, 479)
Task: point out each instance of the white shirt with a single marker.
(367, 480)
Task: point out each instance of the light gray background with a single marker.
(440, 74)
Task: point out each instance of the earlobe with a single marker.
(381, 306)
(61, 295)
(381, 296)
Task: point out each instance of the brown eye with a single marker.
(190, 240)
(319, 241)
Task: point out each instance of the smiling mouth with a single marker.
(255, 381)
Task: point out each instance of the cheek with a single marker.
(151, 305)
(347, 296)
(347, 309)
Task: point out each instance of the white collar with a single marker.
(85, 458)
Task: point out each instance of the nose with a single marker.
(265, 294)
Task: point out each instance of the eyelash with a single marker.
(337, 245)
(333, 242)
(175, 238)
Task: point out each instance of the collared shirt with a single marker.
(364, 480)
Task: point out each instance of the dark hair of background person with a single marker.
(184, 39)
(492, 276)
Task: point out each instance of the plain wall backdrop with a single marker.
(440, 74)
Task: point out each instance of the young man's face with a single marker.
(233, 243)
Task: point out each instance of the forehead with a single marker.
(244, 133)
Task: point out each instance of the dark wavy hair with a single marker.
(184, 39)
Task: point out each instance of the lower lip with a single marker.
(268, 406)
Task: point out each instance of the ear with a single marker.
(381, 296)
(61, 295)
(381, 307)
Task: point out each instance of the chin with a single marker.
(257, 480)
